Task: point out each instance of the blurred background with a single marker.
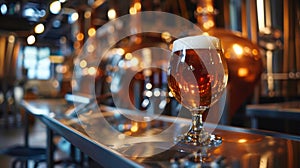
(40, 40)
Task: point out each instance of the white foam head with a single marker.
(196, 42)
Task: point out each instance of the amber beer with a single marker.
(191, 74)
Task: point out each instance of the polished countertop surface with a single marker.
(121, 137)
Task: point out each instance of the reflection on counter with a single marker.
(41, 52)
(150, 143)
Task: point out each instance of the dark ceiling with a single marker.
(14, 20)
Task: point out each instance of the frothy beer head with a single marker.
(196, 42)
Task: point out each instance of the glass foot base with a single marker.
(199, 140)
(199, 147)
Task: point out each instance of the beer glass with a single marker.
(197, 77)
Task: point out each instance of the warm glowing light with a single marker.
(210, 8)
(128, 56)
(269, 59)
(92, 71)
(55, 7)
(247, 50)
(148, 86)
(227, 55)
(254, 52)
(156, 92)
(74, 17)
(171, 47)
(108, 79)
(55, 83)
(137, 6)
(30, 39)
(61, 69)
(83, 63)
(91, 32)
(137, 39)
(132, 11)
(80, 36)
(242, 72)
(205, 25)
(134, 127)
(57, 59)
(120, 51)
(76, 45)
(64, 69)
(148, 93)
(11, 39)
(242, 140)
(205, 33)
(237, 49)
(111, 14)
(90, 48)
(87, 14)
(193, 91)
(209, 24)
(260, 14)
(170, 94)
(166, 35)
(199, 9)
(39, 28)
(270, 46)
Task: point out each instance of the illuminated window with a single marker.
(37, 62)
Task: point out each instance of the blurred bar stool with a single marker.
(10, 115)
(24, 153)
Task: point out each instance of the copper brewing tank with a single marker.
(242, 56)
(9, 51)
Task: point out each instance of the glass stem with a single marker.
(197, 122)
(196, 134)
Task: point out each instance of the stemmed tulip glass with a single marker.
(197, 77)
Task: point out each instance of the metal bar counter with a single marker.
(283, 110)
(114, 138)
